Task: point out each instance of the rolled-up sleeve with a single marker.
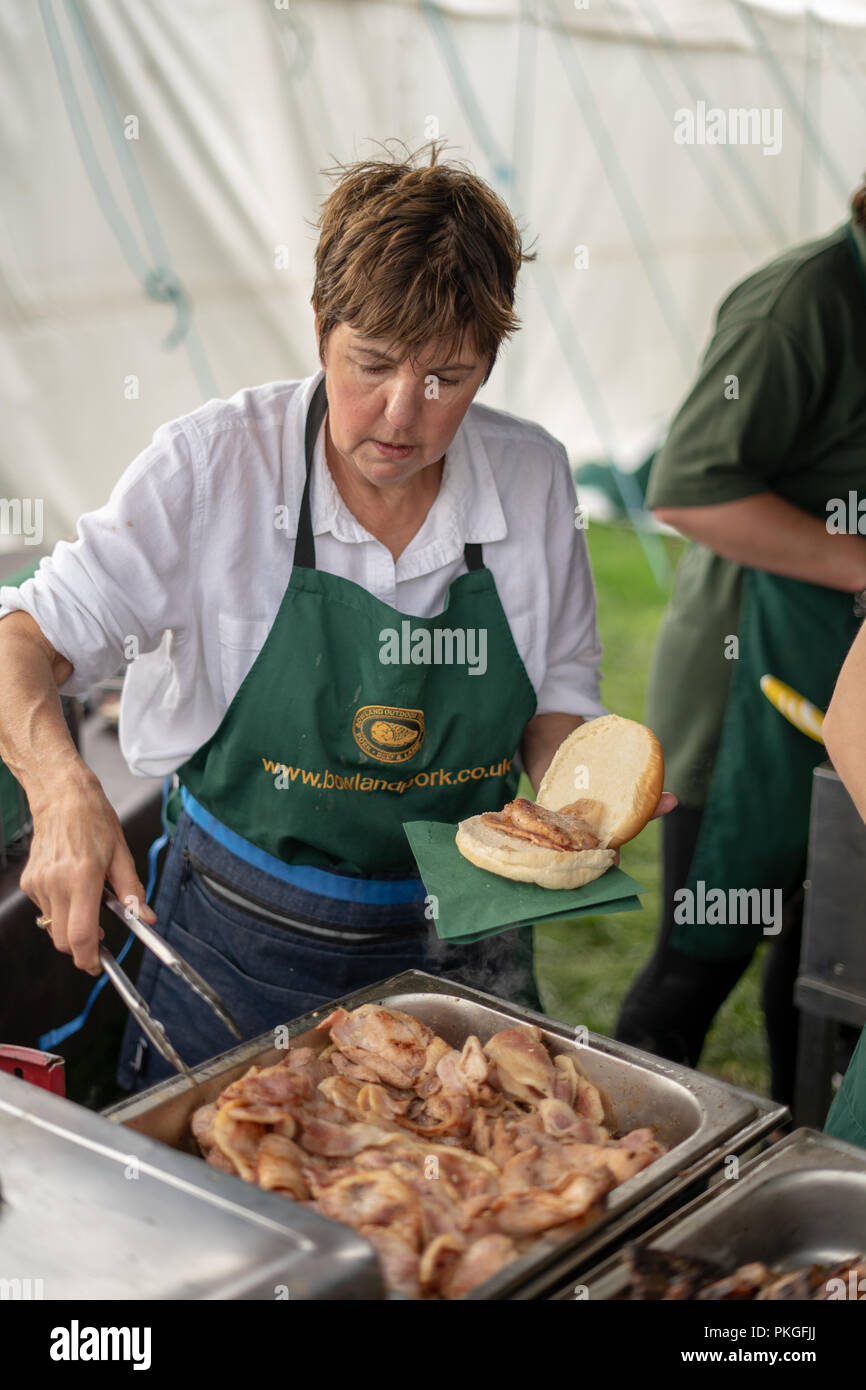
(111, 594)
(572, 678)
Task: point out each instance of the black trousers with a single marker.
(672, 1002)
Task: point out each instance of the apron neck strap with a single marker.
(305, 547)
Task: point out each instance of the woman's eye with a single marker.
(377, 371)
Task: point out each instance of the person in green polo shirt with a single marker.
(761, 469)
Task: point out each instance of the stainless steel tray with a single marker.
(91, 1211)
(801, 1202)
(699, 1118)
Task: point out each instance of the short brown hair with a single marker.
(858, 205)
(411, 252)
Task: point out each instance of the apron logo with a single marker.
(388, 733)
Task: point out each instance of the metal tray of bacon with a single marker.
(801, 1202)
(693, 1115)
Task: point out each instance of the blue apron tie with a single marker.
(378, 892)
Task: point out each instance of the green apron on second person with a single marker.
(847, 1116)
(755, 824)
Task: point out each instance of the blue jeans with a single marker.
(268, 974)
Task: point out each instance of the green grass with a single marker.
(584, 967)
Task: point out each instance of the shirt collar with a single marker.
(467, 506)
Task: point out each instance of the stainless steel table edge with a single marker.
(90, 1130)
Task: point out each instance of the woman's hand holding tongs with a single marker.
(78, 843)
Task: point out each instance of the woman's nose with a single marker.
(403, 404)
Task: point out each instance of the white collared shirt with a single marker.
(181, 574)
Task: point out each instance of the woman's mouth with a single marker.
(393, 451)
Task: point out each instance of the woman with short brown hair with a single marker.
(286, 561)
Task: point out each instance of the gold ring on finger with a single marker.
(43, 921)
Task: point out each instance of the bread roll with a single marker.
(499, 853)
(609, 773)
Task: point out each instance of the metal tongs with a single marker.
(176, 963)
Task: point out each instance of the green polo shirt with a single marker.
(779, 406)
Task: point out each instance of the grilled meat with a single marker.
(661, 1274)
(457, 1268)
(743, 1283)
(532, 1210)
(850, 1272)
(390, 1044)
(526, 820)
(796, 1284)
(279, 1167)
(664, 1275)
(202, 1125)
(450, 1161)
(523, 1064)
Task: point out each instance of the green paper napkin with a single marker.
(473, 903)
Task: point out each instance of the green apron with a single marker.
(347, 724)
(847, 1116)
(754, 829)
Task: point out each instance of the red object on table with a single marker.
(43, 1069)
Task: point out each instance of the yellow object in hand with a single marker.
(795, 707)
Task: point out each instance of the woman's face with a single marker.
(389, 418)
